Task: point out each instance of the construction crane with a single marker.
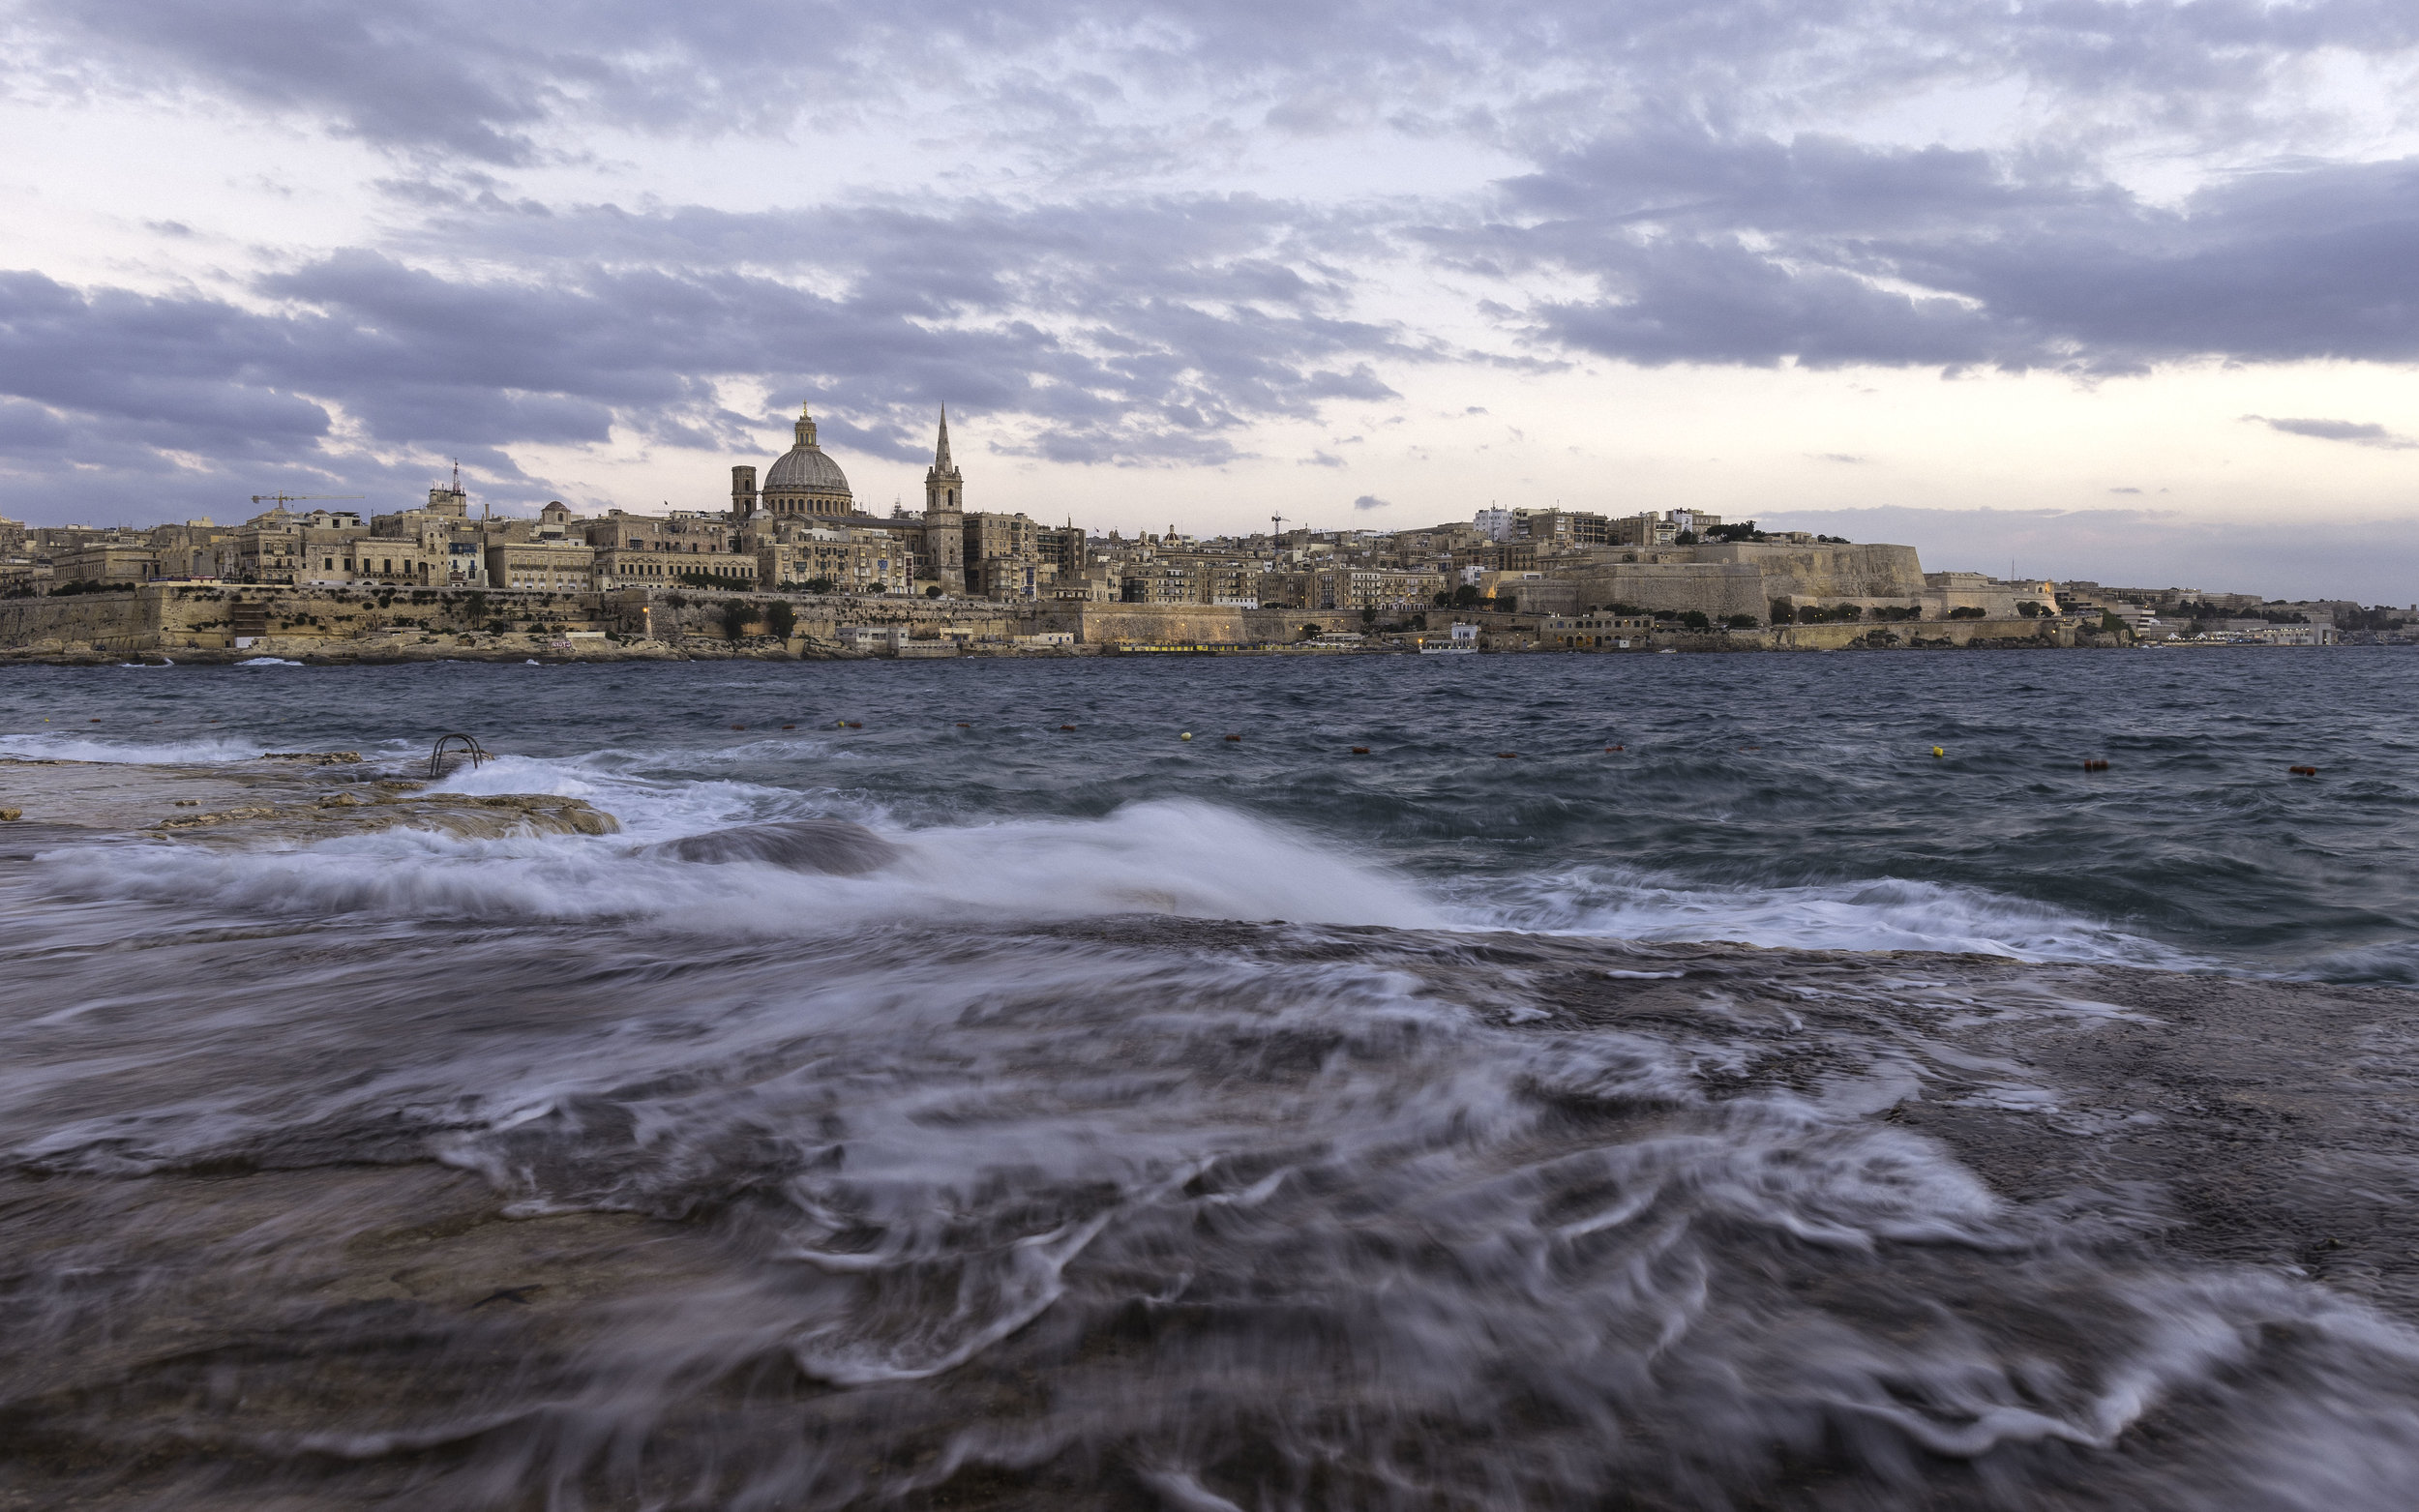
(1276, 528)
(284, 500)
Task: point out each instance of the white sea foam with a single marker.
(267, 661)
(1886, 913)
(1183, 859)
(1176, 857)
(62, 746)
(649, 808)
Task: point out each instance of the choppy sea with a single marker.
(1199, 1123)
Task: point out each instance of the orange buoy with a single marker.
(1066, 727)
(1506, 756)
(1234, 737)
(1609, 750)
(2095, 765)
(789, 726)
(1360, 750)
(962, 725)
(738, 727)
(855, 724)
(2304, 771)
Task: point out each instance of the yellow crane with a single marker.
(284, 500)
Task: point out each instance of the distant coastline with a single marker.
(214, 624)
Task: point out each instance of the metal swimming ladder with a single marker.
(469, 748)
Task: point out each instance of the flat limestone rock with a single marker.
(460, 815)
(282, 796)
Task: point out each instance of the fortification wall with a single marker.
(105, 622)
(637, 612)
(1716, 588)
(1922, 632)
(1163, 624)
(1892, 572)
(300, 618)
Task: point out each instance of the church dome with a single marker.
(804, 468)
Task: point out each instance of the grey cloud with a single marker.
(170, 373)
(484, 81)
(1372, 501)
(2357, 433)
(1135, 329)
(1138, 332)
(1826, 253)
(1677, 179)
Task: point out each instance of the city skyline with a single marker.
(2115, 292)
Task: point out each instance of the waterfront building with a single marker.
(660, 550)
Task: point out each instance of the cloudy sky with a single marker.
(2126, 291)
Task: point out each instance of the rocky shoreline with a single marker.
(343, 1316)
(285, 1225)
(286, 797)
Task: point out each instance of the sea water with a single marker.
(1192, 1122)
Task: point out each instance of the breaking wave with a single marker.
(930, 1113)
(1886, 913)
(46, 746)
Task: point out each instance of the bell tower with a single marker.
(945, 515)
(742, 494)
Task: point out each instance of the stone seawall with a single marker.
(1921, 633)
(1826, 571)
(225, 622)
(1717, 589)
(1161, 624)
(95, 622)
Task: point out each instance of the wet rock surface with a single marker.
(835, 847)
(282, 797)
(460, 814)
(1658, 1228)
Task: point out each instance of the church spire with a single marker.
(805, 426)
(943, 553)
(944, 486)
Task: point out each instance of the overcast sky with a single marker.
(2125, 291)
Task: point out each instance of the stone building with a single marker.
(556, 566)
(660, 550)
(264, 548)
(110, 562)
(945, 516)
(948, 548)
(832, 559)
(801, 483)
(189, 550)
(341, 558)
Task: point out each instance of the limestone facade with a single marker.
(659, 551)
(560, 566)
